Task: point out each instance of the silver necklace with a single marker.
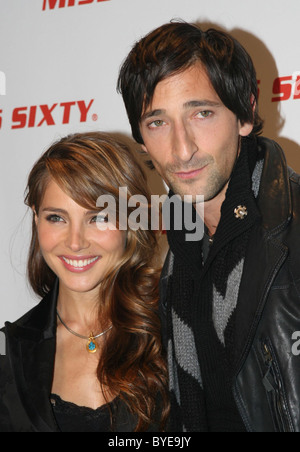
(91, 346)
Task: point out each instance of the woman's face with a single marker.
(75, 249)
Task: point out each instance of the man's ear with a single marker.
(247, 127)
(253, 104)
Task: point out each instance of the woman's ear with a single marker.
(144, 149)
(35, 214)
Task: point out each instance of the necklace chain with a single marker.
(79, 335)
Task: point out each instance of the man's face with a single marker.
(191, 137)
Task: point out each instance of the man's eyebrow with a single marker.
(201, 103)
(189, 104)
(152, 113)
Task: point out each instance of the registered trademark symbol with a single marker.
(95, 117)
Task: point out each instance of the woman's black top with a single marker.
(73, 418)
(26, 378)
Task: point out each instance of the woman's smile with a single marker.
(78, 264)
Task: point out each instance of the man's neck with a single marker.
(212, 211)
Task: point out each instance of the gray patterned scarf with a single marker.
(200, 307)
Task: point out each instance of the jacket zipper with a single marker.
(273, 384)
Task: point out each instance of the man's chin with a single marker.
(188, 190)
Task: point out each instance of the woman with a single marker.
(88, 357)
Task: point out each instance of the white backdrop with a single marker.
(59, 62)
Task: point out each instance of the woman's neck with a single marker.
(80, 311)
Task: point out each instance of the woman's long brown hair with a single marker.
(86, 166)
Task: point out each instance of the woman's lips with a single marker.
(190, 174)
(79, 264)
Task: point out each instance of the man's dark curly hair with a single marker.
(175, 47)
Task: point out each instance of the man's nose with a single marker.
(184, 145)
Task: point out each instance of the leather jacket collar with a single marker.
(266, 252)
(274, 200)
(31, 344)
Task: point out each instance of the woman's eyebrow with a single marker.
(58, 210)
(54, 209)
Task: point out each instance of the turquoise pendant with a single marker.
(91, 346)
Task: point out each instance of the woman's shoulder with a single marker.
(39, 318)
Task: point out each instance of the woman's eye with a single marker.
(100, 219)
(54, 219)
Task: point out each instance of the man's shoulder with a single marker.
(274, 148)
(294, 177)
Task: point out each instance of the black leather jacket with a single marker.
(267, 379)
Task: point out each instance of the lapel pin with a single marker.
(240, 212)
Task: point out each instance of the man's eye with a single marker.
(157, 123)
(204, 114)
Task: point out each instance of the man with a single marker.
(230, 303)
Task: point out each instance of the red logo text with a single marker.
(285, 88)
(52, 4)
(50, 115)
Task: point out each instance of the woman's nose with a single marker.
(77, 239)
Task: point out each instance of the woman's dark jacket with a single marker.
(26, 373)
(266, 385)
